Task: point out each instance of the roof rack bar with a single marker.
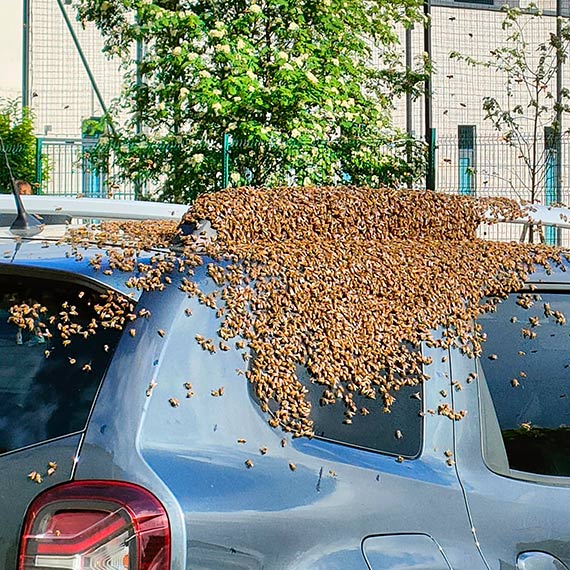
(538, 214)
(98, 208)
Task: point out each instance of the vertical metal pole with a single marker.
(409, 124)
(26, 54)
(429, 131)
(39, 172)
(226, 160)
(558, 133)
(138, 127)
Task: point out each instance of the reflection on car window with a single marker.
(526, 363)
(47, 380)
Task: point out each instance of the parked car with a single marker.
(107, 463)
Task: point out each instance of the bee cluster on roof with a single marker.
(342, 282)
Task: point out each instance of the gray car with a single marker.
(107, 462)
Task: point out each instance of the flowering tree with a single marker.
(290, 81)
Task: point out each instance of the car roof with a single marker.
(44, 252)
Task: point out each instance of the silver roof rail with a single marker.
(535, 218)
(99, 208)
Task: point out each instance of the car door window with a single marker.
(526, 365)
(52, 358)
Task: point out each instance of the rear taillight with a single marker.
(86, 525)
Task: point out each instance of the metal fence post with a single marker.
(39, 162)
(227, 141)
(430, 176)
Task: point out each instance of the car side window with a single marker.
(51, 364)
(526, 365)
(397, 432)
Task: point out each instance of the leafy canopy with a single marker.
(17, 132)
(292, 82)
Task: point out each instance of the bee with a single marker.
(52, 466)
(35, 477)
(398, 434)
(400, 459)
(72, 360)
(242, 441)
(292, 466)
(174, 402)
(249, 463)
(188, 312)
(515, 383)
(217, 393)
(527, 426)
(263, 450)
(448, 453)
(132, 332)
(150, 388)
(283, 442)
(161, 333)
(86, 367)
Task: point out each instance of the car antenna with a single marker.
(25, 225)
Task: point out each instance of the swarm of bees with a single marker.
(344, 283)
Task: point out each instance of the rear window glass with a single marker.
(48, 383)
(526, 363)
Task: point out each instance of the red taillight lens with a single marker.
(86, 525)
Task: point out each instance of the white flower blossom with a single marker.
(240, 44)
(217, 33)
(283, 55)
(287, 66)
(177, 51)
(183, 92)
(216, 92)
(292, 27)
(312, 78)
(217, 107)
(224, 48)
(197, 158)
(234, 177)
(251, 74)
(205, 73)
(255, 9)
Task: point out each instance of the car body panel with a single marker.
(17, 489)
(269, 515)
(527, 515)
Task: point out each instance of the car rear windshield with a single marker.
(526, 363)
(50, 364)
